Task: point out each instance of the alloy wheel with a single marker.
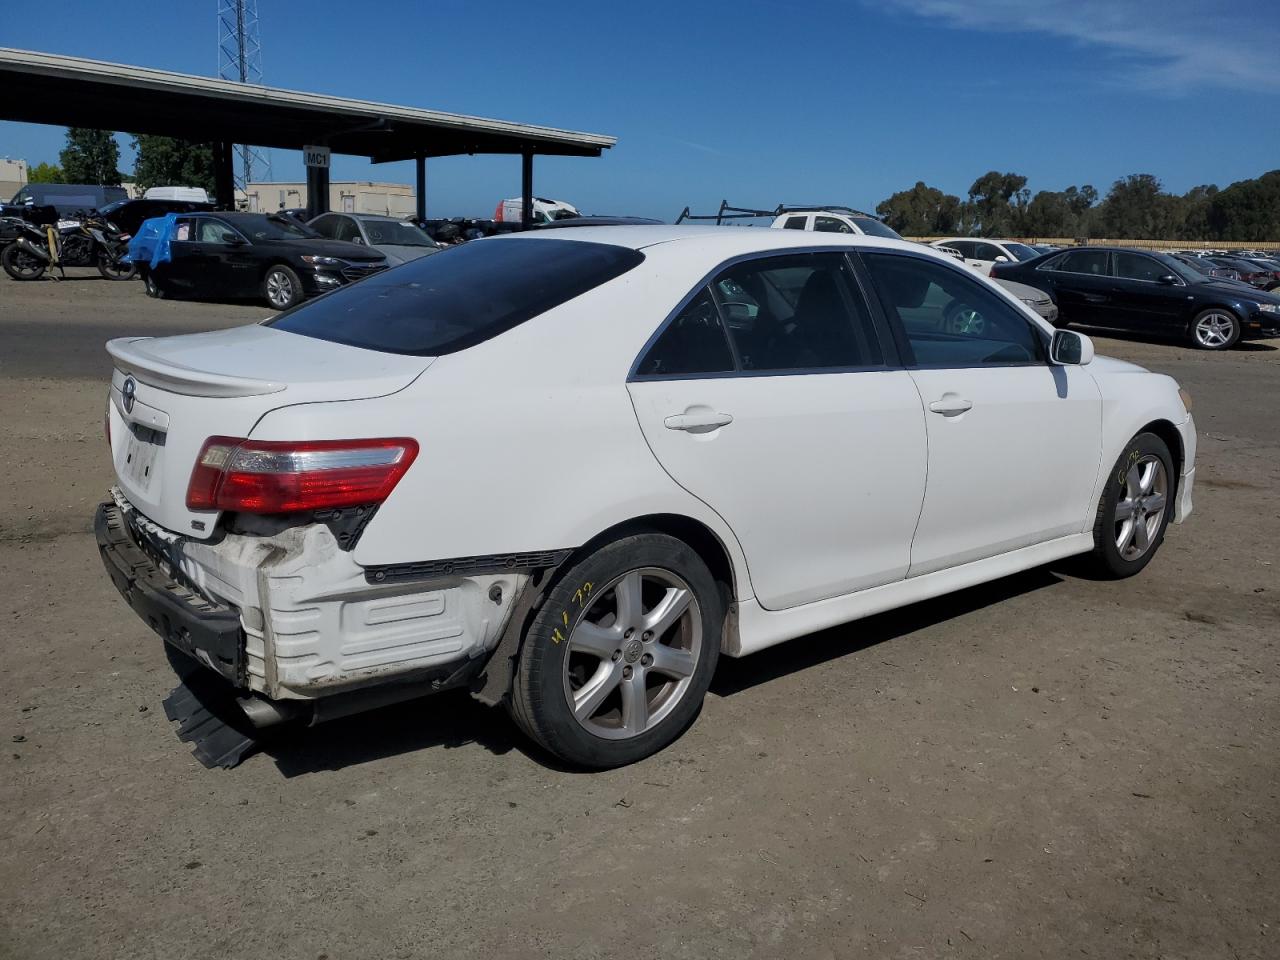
(1214, 329)
(1140, 511)
(633, 653)
(279, 289)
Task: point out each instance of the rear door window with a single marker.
(796, 223)
(1083, 261)
(461, 297)
(694, 342)
(798, 312)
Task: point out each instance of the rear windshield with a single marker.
(460, 297)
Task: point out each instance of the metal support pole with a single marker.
(317, 191)
(420, 196)
(224, 188)
(526, 189)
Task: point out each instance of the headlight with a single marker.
(1269, 307)
(322, 261)
(1186, 399)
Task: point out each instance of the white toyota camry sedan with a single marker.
(570, 469)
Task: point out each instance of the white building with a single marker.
(345, 196)
(13, 177)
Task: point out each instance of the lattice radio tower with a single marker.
(240, 58)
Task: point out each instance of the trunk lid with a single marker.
(169, 395)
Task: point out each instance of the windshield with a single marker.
(874, 228)
(1022, 251)
(396, 233)
(111, 208)
(1198, 265)
(459, 297)
(271, 227)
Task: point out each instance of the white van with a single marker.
(183, 194)
(544, 210)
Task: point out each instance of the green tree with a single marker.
(45, 173)
(921, 211)
(1197, 203)
(166, 162)
(998, 202)
(1247, 210)
(1136, 208)
(90, 156)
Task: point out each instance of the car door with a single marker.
(1014, 442)
(232, 259)
(188, 266)
(1143, 298)
(1080, 284)
(771, 395)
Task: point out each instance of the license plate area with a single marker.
(143, 454)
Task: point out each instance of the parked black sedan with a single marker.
(256, 255)
(1147, 292)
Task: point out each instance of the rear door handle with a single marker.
(951, 406)
(700, 422)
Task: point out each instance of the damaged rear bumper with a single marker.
(287, 614)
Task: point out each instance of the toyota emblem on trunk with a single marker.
(127, 391)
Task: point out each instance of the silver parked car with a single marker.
(397, 240)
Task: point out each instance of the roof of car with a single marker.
(728, 241)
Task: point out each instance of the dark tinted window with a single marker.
(951, 319)
(964, 246)
(830, 225)
(348, 231)
(1082, 261)
(796, 223)
(694, 342)
(874, 228)
(1134, 266)
(986, 251)
(460, 297)
(796, 312)
(326, 226)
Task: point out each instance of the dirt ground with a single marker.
(1046, 766)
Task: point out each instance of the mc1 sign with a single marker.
(316, 157)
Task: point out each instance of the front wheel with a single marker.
(1215, 329)
(113, 269)
(281, 287)
(1135, 507)
(21, 264)
(620, 655)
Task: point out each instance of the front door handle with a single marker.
(698, 422)
(951, 406)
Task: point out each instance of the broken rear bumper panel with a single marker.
(206, 631)
(286, 613)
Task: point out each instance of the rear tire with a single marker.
(1134, 509)
(153, 287)
(281, 287)
(618, 659)
(1215, 329)
(20, 264)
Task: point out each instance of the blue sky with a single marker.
(757, 101)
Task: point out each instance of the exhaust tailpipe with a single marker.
(264, 713)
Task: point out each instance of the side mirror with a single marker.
(1070, 349)
(1169, 279)
(1002, 259)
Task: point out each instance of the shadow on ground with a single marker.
(453, 719)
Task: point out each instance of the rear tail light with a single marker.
(267, 476)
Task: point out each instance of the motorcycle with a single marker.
(44, 241)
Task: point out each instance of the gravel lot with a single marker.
(1046, 766)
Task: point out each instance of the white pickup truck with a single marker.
(834, 220)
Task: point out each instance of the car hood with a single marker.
(396, 253)
(1238, 288)
(327, 248)
(1101, 364)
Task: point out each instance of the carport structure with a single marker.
(74, 92)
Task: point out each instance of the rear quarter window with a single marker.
(460, 297)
